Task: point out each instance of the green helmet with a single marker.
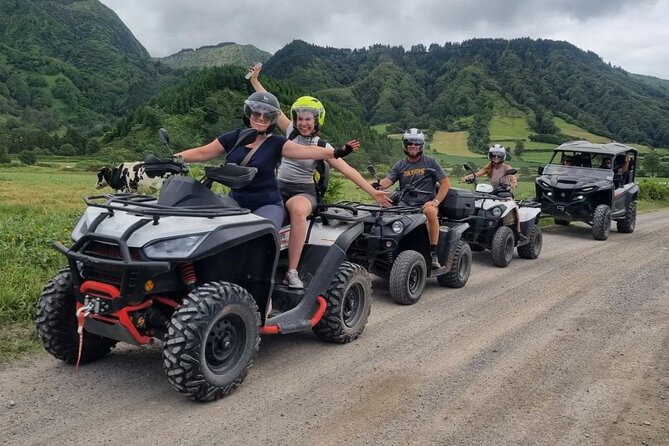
(309, 104)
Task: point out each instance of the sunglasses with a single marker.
(498, 157)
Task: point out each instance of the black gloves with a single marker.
(343, 151)
(376, 185)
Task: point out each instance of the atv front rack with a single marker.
(139, 204)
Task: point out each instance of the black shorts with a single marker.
(308, 191)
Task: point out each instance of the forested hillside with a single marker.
(68, 69)
(228, 53)
(211, 101)
(459, 86)
(74, 80)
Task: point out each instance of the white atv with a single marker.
(493, 224)
(197, 272)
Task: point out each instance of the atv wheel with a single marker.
(502, 246)
(57, 324)
(601, 222)
(532, 249)
(211, 341)
(349, 301)
(458, 276)
(407, 277)
(627, 224)
(561, 222)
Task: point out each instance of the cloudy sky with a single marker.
(632, 34)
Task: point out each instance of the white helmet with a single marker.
(413, 136)
(497, 150)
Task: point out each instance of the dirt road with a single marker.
(568, 349)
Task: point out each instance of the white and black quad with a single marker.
(583, 191)
(493, 224)
(197, 272)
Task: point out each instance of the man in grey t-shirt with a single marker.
(418, 176)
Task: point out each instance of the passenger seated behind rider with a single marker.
(567, 161)
(296, 177)
(261, 196)
(495, 171)
(413, 170)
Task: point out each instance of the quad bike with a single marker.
(395, 245)
(194, 270)
(493, 224)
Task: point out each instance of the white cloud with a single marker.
(630, 34)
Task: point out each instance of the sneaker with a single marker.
(293, 280)
(434, 262)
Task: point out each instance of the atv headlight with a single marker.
(496, 211)
(173, 247)
(544, 184)
(397, 227)
(588, 189)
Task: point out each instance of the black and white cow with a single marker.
(129, 177)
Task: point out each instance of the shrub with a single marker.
(27, 157)
(653, 190)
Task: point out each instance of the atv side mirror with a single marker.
(540, 170)
(371, 169)
(246, 136)
(164, 136)
(468, 167)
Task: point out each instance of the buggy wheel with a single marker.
(458, 275)
(349, 301)
(211, 341)
(561, 222)
(57, 324)
(408, 277)
(532, 249)
(627, 224)
(601, 222)
(502, 246)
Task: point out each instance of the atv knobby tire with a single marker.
(407, 277)
(349, 301)
(212, 340)
(461, 267)
(57, 324)
(601, 222)
(502, 246)
(532, 249)
(627, 224)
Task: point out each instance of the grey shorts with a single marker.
(308, 191)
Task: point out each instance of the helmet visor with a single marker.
(261, 112)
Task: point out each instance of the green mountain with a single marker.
(68, 68)
(459, 86)
(228, 53)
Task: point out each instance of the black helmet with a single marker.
(413, 136)
(265, 103)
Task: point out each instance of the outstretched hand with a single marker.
(382, 197)
(254, 71)
(346, 149)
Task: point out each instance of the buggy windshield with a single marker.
(572, 171)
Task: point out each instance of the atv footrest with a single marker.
(294, 326)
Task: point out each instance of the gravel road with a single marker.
(568, 349)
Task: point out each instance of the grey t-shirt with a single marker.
(298, 171)
(415, 175)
